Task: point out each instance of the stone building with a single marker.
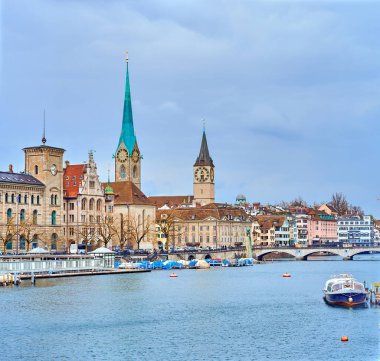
(31, 201)
(84, 205)
(213, 225)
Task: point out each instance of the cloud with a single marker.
(289, 90)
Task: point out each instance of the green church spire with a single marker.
(127, 135)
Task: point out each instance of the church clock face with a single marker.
(201, 174)
(122, 155)
(135, 156)
(53, 169)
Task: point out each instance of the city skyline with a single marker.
(283, 119)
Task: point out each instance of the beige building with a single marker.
(85, 206)
(31, 202)
(213, 225)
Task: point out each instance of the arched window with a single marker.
(36, 169)
(123, 173)
(35, 241)
(55, 199)
(98, 205)
(35, 215)
(22, 242)
(38, 199)
(54, 239)
(22, 215)
(6, 198)
(9, 243)
(32, 199)
(12, 198)
(54, 218)
(19, 198)
(92, 203)
(84, 204)
(51, 199)
(25, 199)
(134, 171)
(9, 214)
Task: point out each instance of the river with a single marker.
(249, 313)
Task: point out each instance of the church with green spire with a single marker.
(128, 157)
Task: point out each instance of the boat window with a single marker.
(358, 286)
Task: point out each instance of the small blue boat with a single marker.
(344, 290)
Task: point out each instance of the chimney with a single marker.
(10, 168)
(67, 163)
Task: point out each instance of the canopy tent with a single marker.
(38, 250)
(102, 250)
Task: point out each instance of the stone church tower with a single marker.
(128, 157)
(204, 186)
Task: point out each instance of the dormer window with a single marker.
(74, 177)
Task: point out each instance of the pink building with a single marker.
(322, 228)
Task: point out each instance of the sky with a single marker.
(290, 91)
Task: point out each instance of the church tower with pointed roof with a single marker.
(204, 186)
(128, 157)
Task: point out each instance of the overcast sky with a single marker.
(290, 91)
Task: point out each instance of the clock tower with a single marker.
(204, 186)
(128, 157)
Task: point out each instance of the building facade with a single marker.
(356, 230)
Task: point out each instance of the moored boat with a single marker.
(344, 290)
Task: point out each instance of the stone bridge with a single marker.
(303, 253)
(299, 254)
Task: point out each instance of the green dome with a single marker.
(108, 190)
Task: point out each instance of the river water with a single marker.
(249, 313)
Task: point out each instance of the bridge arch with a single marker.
(191, 257)
(315, 251)
(207, 256)
(260, 256)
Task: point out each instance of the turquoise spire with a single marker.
(127, 131)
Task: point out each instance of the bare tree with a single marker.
(87, 234)
(29, 231)
(167, 220)
(106, 230)
(138, 229)
(8, 233)
(119, 229)
(356, 211)
(339, 202)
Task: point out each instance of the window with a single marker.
(25, 199)
(6, 197)
(71, 231)
(54, 239)
(67, 177)
(71, 218)
(22, 242)
(71, 206)
(22, 215)
(54, 218)
(91, 204)
(19, 198)
(38, 199)
(74, 177)
(134, 171)
(9, 214)
(98, 205)
(55, 199)
(74, 184)
(92, 184)
(51, 199)
(36, 169)
(12, 198)
(84, 204)
(123, 174)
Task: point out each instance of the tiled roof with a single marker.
(128, 193)
(171, 201)
(267, 222)
(213, 210)
(72, 179)
(19, 178)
